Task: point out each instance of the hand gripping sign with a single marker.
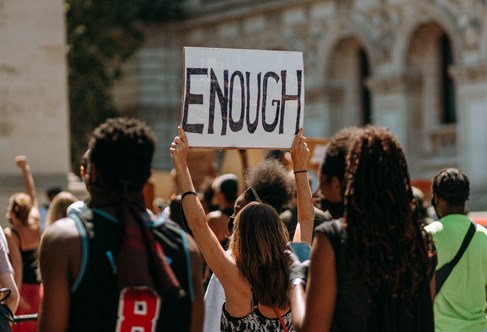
(237, 98)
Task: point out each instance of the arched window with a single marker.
(448, 88)
(431, 100)
(365, 92)
(349, 96)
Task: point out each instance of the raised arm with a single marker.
(245, 162)
(29, 186)
(300, 154)
(221, 263)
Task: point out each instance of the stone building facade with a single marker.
(418, 67)
(33, 95)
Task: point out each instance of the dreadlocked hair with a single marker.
(387, 245)
(121, 150)
(333, 163)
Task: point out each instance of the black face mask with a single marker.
(335, 209)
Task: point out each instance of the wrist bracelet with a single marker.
(302, 171)
(298, 281)
(189, 192)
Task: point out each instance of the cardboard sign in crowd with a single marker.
(234, 98)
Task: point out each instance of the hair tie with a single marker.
(189, 192)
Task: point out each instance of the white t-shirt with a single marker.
(5, 266)
(214, 299)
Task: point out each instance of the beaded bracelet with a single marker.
(303, 171)
(189, 192)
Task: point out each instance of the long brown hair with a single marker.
(59, 205)
(387, 244)
(258, 243)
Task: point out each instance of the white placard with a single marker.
(234, 98)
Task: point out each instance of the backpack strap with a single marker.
(443, 273)
(188, 264)
(84, 249)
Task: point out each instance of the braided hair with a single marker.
(387, 245)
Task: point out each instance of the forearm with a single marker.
(17, 274)
(245, 162)
(28, 179)
(298, 306)
(304, 229)
(13, 300)
(7, 281)
(193, 210)
(300, 154)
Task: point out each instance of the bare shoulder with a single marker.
(12, 238)
(34, 213)
(8, 232)
(62, 233)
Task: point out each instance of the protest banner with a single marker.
(317, 147)
(234, 98)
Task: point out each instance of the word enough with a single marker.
(225, 97)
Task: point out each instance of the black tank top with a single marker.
(95, 293)
(30, 263)
(358, 310)
(29, 267)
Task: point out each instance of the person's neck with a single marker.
(454, 209)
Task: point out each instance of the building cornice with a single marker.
(218, 13)
(469, 73)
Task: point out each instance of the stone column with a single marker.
(394, 107)
(471, 83)
(33, 95)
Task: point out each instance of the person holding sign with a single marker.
(371, 270)
(255, 274)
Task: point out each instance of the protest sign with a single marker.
(234, 98)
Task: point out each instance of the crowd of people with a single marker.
(220, 257)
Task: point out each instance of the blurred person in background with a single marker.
(23, 237)
(460, 302)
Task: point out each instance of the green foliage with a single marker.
(101, 36)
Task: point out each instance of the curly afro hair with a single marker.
(121, 149)
(271, 181)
